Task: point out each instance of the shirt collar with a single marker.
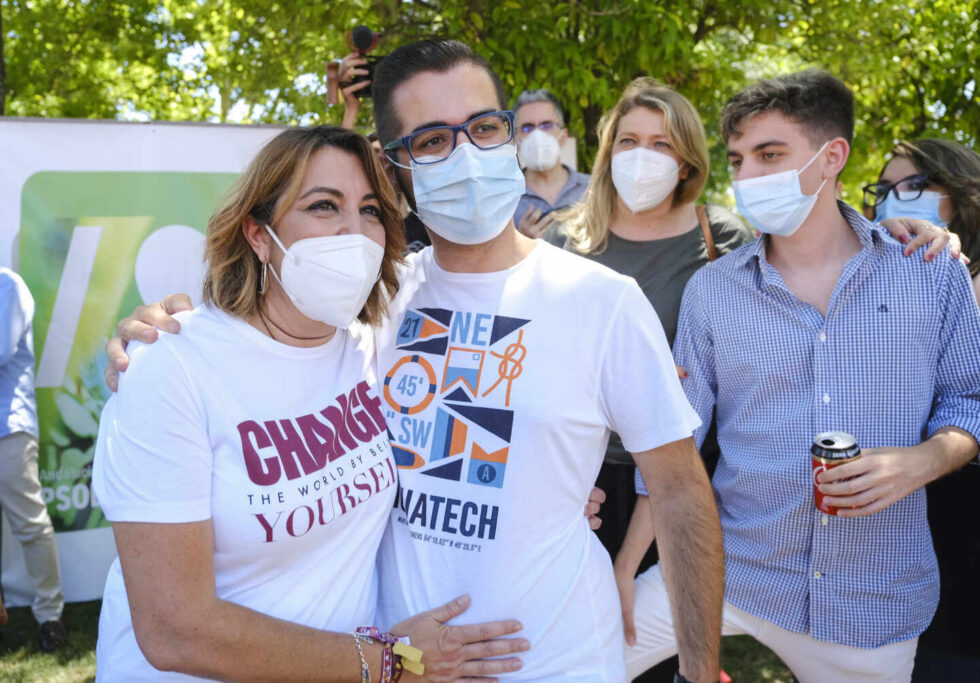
(870, 234)
(574, 178)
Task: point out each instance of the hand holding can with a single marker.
(830, 450)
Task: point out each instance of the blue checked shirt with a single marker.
(896, 358)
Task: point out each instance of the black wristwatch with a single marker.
(678, 678)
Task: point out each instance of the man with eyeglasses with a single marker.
(551, 185)
(506, 362)
(505, 365)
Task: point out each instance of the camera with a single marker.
(360, 40)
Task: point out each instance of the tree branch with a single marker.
(703, 29)
(607, 13)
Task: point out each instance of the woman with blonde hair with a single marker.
(640, 217)
(245, 462)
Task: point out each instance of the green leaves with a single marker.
(911, 63)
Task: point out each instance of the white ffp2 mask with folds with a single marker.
(539, 151)
(643, 178)
(329, 278)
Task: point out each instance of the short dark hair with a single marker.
(540, 95)
(433, 54)
(822, 104)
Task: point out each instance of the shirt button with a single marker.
(817, 575)
(822, 336)
(826, 398)
(825, 520)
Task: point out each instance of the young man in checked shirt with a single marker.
(819, 325)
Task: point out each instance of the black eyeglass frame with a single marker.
(405, 141)
(873, 189)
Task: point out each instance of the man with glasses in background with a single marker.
(551, 185)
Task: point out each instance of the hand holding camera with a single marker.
(351, 76)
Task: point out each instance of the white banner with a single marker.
(99, 217)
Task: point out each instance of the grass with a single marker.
(21, 661)
(748, 661)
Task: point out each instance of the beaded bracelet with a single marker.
(396, 657)
(397, 668)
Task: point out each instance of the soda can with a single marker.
(830, 450)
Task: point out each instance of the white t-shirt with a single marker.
(500, 390)
(284, 449)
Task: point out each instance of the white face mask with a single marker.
(775, 203)
(471, 195)
(539, 151)
(643, 178)
(329, 278)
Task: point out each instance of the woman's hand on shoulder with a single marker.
(916, 232)
(451, 652)
(142, 326)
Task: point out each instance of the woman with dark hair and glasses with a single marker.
(939, 181)
(936, 181)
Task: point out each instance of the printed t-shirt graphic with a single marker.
(499, 391)
(477, 354)
(283, 449)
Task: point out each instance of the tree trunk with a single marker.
(225, 97)
(3, 70)
(586, 156)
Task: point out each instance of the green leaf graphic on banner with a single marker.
(76, 417)
(58, 438)
(74, 458)
(80, 236)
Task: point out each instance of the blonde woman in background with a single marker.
(640, 217)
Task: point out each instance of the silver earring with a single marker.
(262, 276)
